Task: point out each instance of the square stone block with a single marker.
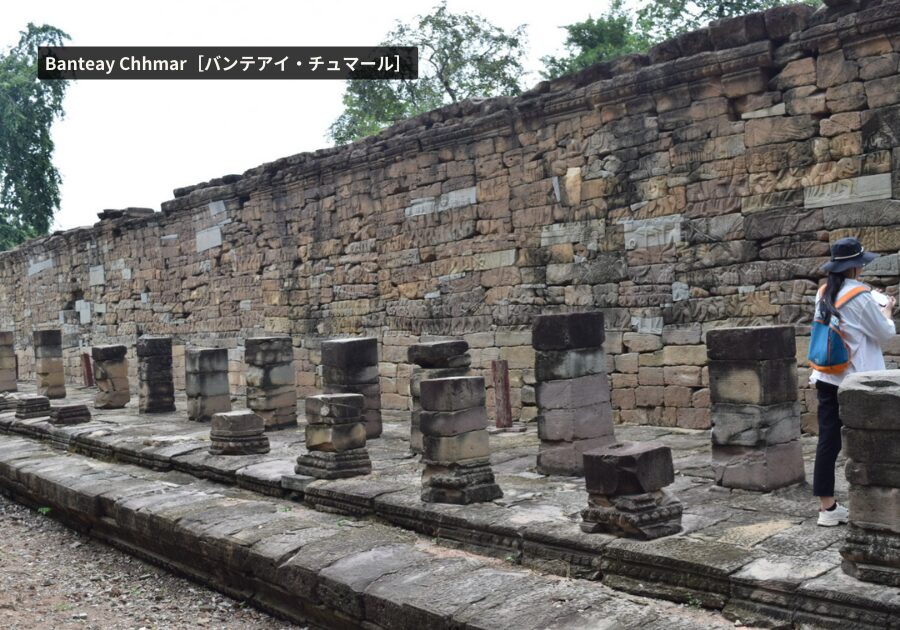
(334, 408)
(872, 473)
(153, 347)
(572, 424)
(263, 351)
(567, 458)
(198, 360)
(337, 437)
(8, 363)
(554, 365)
(567, 331)
(358, 352)
(48, 341)
(751, 344)
(271, 399)
(449, 423)
(571, 393)
(869, 400)
(875, 508)
(206, 384)
(350, 376)
(452, 394)
(765, 469)
(424, 374)
(455, 449)
(109, 353)
(872, 446)
(239, 423)
(753, 382)
(112, 399)
(271, 375)
(7, 338)
(752, 425)
(203, 408)
(628, 468)
(437, 354)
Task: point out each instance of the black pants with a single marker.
(829, 439)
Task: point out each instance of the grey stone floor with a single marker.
(757, 555)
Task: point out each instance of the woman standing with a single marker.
(865, 326)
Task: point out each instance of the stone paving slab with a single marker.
(310, 566)
(734, 552)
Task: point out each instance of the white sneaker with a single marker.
(838, 515)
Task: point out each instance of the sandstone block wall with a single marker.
(691, 188)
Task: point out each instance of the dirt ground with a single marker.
(52, 577)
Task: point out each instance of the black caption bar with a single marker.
(233, 62)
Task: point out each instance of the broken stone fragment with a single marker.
(628, 468)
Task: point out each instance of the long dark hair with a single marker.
(832, 288)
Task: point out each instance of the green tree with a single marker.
(666, 18)
(611, 35)
(460, 56)
(29, 183)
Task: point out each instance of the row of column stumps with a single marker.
(868, 403)
(8, 362)
(433, 359)
(755, 413)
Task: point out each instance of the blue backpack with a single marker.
(828, 351)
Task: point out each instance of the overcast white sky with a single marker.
(130, 143)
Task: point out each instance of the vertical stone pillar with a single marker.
(457, 453)
(7, 361)
(434, 359)
(271, 380)
(48, 364)
(206, 383)
(572, 390)
(111, 376)
(335, 438)
(869, 402)
(156, 388)
(350, 366)
(625, 484)
(237, 433)
(755, 413)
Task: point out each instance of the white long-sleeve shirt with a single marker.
(865, 330)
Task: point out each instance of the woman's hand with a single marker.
(888, 309)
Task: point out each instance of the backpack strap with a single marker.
(852, 293)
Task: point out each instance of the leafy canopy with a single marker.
(460, 56)
(29, 183)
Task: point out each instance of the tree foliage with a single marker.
(611, 35)
(460, 56)
(618, 32)
(29, 183)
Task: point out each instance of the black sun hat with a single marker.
(847, 253)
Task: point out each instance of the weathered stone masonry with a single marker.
(691, 188)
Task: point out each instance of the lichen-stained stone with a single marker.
(206, 382)
(439, 354)
(452, 394)
(271, 380)
(7, 362)
(766, 382)
(156, 387)
(867, 400)
(48, 363)
(763, 468)
(353, 352)
(237, 433)
(568, 331)
(351, 366)
(628, 468)
(758, 343)
(335, 438)
(751, 425)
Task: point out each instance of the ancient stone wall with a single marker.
(691, 188)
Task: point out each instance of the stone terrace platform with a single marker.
(758, 557)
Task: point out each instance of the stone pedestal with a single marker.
(48, 363)
(7, 361)
(111, 376)
(335, 438)
(238, 433)
(871, 434)
(755, 414)
(457, 454)
(434, 359)
(626, 498)
(271, 381)
(32, 407)
(206, 383)
(69, 414)
(156, 388)
(575, 414)
(350, 366)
